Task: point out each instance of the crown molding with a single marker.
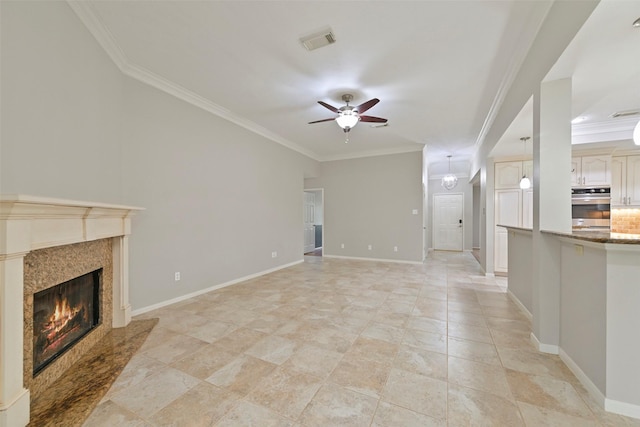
(88, 16)
(609, 130)
(372, 153)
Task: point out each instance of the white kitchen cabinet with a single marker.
(589, 171)
(507, 175)
(625, 181)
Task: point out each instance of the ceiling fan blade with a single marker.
(366, 105)
(372, 119)
(329, 107)
(320, 121)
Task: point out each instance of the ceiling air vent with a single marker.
(627, 113)
(319, 39)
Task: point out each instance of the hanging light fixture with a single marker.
(636, 131)
(449, 181)
(525, 182)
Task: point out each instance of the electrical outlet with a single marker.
(342, 245)
(395, 249)
(369, 247)
(177, 276)
(274, 254)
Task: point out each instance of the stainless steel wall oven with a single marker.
(591, 208)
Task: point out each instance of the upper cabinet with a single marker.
(507, 175)
(590, 171)
(625, 185)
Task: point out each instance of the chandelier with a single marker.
(449, 181)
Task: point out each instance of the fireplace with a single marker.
(45, 242)
(63, 315)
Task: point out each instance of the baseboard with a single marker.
(622, 408)
(544, 348)
(593, 390)
(212, 288)
(520, 305)
(399, 261)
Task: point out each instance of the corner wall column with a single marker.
(551, 205)
(121, 305)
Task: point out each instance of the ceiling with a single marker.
(436, 66)
(603, 62)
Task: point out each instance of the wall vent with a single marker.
(627, 113)
(319, 39)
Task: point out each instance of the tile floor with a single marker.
(336, 342)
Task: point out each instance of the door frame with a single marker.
(321, 190)
(433, 220)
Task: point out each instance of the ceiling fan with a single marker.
(349, 116)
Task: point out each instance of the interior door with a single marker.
(309, 209)
(447, 222)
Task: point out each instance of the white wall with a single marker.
(60, 112)
(219, 199)
(369, 201)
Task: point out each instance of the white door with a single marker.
(633, 180)
(447, 222)
(618, 181)
(309, 209)
(596, 170)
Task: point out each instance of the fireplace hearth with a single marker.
(63, 315)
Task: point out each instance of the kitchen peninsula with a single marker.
(599, 309)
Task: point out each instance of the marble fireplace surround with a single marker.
(28, 224)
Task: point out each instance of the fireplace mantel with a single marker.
(28, 223)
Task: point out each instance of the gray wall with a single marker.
(61, 99)
(369, 201)
(219, 198)
(464, 188)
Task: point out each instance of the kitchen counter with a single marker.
(599, 236)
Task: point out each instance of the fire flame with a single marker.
(62, 314)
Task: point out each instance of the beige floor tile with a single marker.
(239, 340)
(203, 405)
(337, 406)
(362, 375)
(471, 407)
(532, 362)
(285, 392)
(332, 339)
(547, 392)
(513, 339)
(537, 416)
(272, 349)
(392, 319)
(507, 325)
(204, 362)
(473, 350)
(468, 332)
(313, 360)
(427, 324)
(417, 393)
(391, 415)
(108, 414)
(470, 319)
(423, 362)
(249, 414)
(157, 336)
(242, 374)
(155, 392)
(384, 332)
(138, 368)
(373, 349)
(211, 331)
(479, 376)
(426, 340)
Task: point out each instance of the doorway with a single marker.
(313, 218)
(448, 228)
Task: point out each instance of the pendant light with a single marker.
(525, 182)
(449, 181)
(636, 131)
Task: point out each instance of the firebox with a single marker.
(62, 315)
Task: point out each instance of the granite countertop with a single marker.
(599, 236)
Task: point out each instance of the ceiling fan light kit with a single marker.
(349, 116)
